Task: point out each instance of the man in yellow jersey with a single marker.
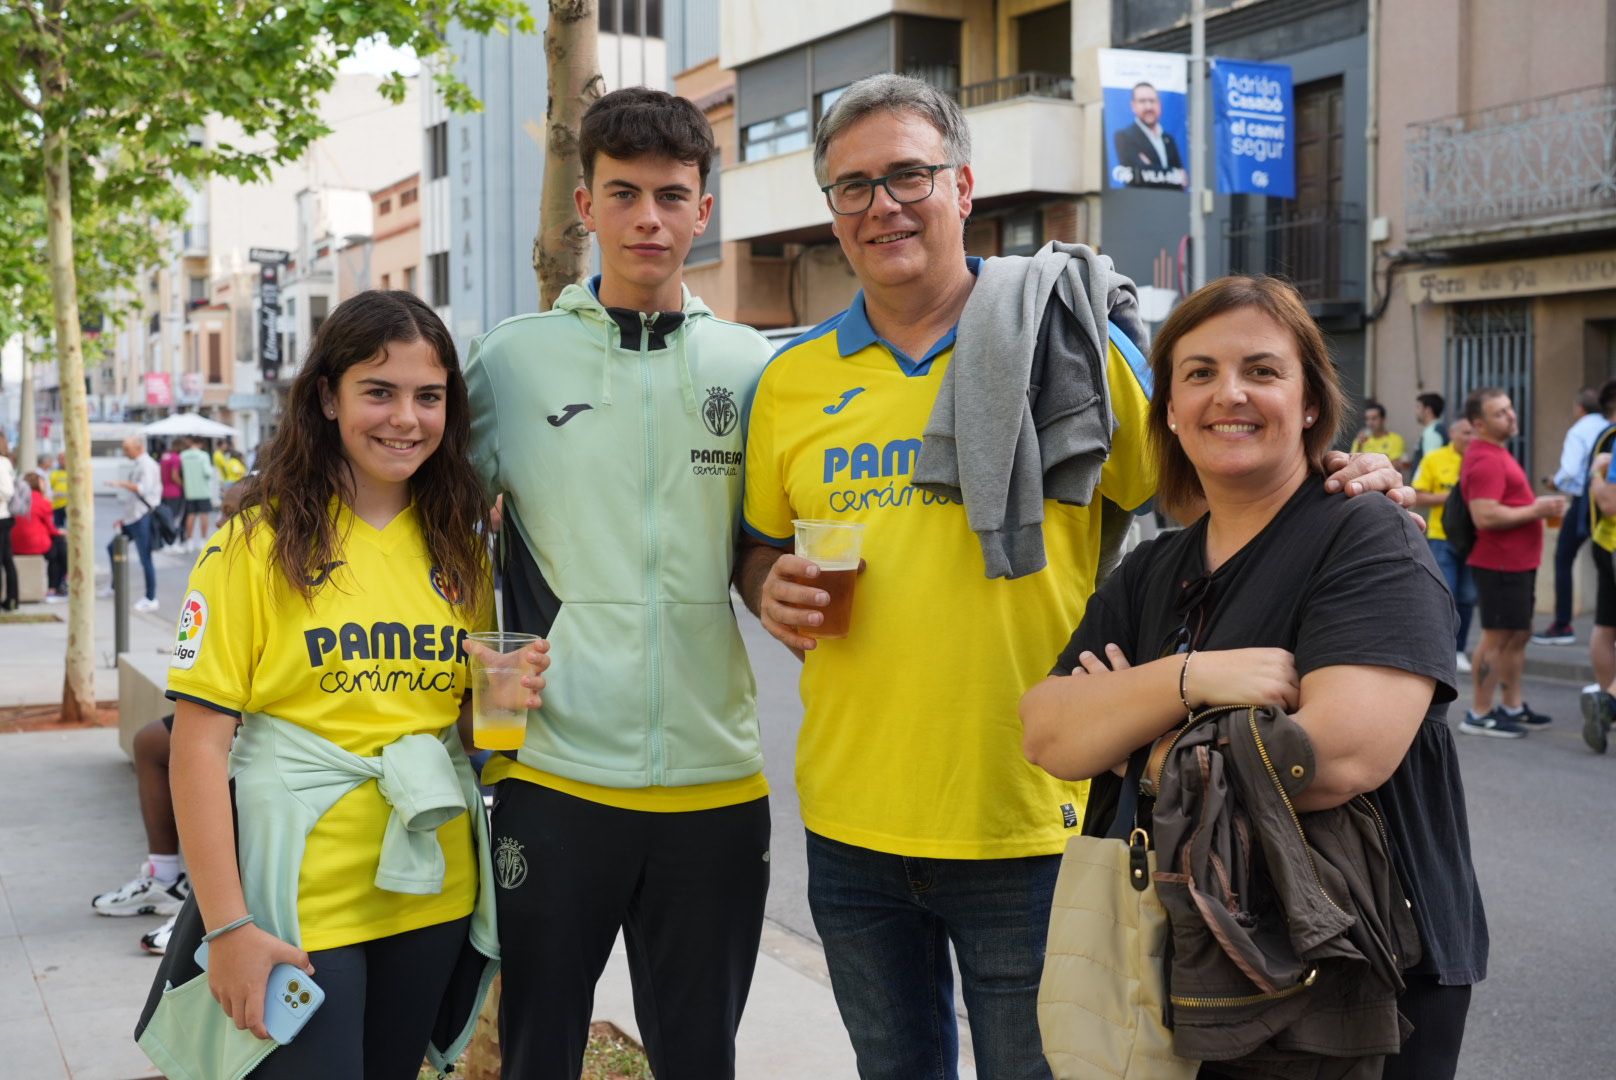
(1375, 438)
(1439, 471)
(611, 425)
(927, 827)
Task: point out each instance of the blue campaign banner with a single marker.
(1254, 128)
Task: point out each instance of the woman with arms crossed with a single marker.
(328, 617)
(1282, 595)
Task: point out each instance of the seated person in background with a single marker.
(36, 534)
(1247, 402)
(161, 886)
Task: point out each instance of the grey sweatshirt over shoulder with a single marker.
(1024, 410)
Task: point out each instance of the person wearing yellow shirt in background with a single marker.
(58, 484)
(1439, 471)
(231, 468)
(1375, 439)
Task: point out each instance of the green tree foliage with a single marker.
(100, 101)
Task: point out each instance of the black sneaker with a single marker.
(1556, 634)
(1492, 722)
(1598, 710)
(1528, 717)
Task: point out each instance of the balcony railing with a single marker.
(1040, 84)
(1516, 165)
(1318, 250)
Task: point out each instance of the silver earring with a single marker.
(1309, 420)
(1172, 427)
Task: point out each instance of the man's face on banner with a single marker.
(1146, 105)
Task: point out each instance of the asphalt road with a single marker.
(1539, 811)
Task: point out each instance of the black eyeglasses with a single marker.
(910, 185)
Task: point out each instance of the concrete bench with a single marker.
(30, 578)
(142, 679)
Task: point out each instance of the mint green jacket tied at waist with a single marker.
(286, 778)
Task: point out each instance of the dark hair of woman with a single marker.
(304, 466)
(1177, 482)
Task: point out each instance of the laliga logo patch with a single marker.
(445, 587)
(193, 623)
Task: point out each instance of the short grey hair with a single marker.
(895, 93)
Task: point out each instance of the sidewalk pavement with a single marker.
(72, 983)
(1568, 663)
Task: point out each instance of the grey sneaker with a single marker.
(156, 942)
(1598, 710)
(143, 895)
(1492, 722)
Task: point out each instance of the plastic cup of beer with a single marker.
(833, 546)
(498, 698)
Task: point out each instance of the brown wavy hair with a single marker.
(304, 466)
(1177, 482)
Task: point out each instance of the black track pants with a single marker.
(687, 889)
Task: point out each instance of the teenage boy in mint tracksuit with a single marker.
(612, 426)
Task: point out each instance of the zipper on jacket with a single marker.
(1154, 790)
(1386, 843)
(653, 631)
(1188, 1002)
(1273, 776)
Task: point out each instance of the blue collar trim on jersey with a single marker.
(855, 333)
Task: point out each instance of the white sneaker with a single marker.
(145, 605)
(55, 598)
(1462, 662)
(156, 942)
(144, 895)
(105, 593)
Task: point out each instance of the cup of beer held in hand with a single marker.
(833, 546)
(498, 698)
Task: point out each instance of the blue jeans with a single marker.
(140, 535)
(887, 922)
(1460, 583)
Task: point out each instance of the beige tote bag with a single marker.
(1103, 988)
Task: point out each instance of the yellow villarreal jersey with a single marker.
(377, 657)
(911, 742)
(1439, 471)
(1391, 444)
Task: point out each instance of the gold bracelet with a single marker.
(1183, 676)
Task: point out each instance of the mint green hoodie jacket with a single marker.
(618, 449)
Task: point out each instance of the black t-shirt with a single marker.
(1335, 581)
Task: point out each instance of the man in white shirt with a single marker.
(1572, 479)
(142, 489)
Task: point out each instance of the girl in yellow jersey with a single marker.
(328, 618)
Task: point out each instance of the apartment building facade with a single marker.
(1497, 178)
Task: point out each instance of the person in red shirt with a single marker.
(173, 484)
(1504, 561)
(36, 534)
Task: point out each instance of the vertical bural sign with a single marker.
(1254, 128)
(1145, 118)
(269, 317)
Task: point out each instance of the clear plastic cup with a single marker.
(498, 698)
(834, 547)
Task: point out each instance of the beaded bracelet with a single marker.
(227, 927)
(1183, 676)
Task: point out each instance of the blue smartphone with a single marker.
(289, 1000)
